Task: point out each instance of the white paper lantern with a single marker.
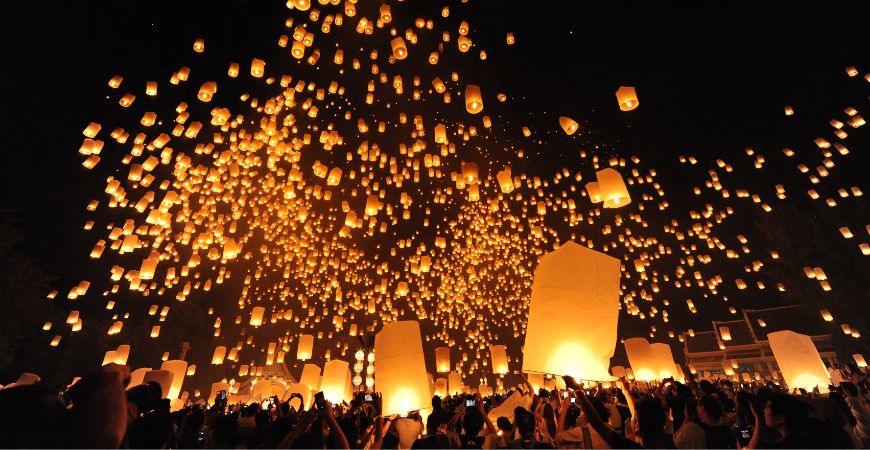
(336, 377)
(581, 287)
(799, 360)
(642, 360)
(306, 345)
(402, 377)
(310, 377)
(499, 359)
(161, 377)
(178, 368)
(665, 366)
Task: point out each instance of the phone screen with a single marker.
(573, 399)
(319, 400)
(368, 397)
(746, 433)
(470, 403)
(564, 394)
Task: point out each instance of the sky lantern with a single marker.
(442, 359)
(799, 360)
(401, 368)
(440, 134)
(642, 359)
(612, 188)
(310, 376)
(473, 99)
(199, 45)
(626, 96)
(258, 68)
(207, 91)
(469, 173)
(505, 181)
(510, 39)
(454, 383)
(498, 354)
(306, 345)
(400, 50)
(161, 377)
(178, 369)
(859, 360)
(220, 353)
(569, 125)
(664, 360)
(336, 375)
(257, 313)
(581, 287)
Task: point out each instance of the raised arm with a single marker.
(629, 400)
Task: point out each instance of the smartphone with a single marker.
(222, 395)
(564, 394)
(470, 402)
(369, 398)
(200, 436)
(573, 400)
(744, 435)
(319, 401)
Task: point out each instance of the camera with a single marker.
(470, 402)
(368, 397)
(319, 401)
(565, 394)
(573, 400)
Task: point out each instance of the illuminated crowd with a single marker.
(97, 412)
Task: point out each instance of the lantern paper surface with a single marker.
(162, 377)
(334, 382)
(454, 385)
(442, 359)
(799, 360)
(137, 376)
(311, 377)
(642, 360)
(499, 359)
(178, 368)
(581, 287)
(306, 344)
(665, 366)
(401, 368)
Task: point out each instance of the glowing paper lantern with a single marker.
(505, 182)
(473, 99)
(336, 376)
(122, 354)
(665, 365)
(306, 344)
(441, 387)
(401, 368)
(569, 125)
(400, 50)
(626, 96)
(612, 188)
(499, 359)
(454, 383)
(178, 369)
(442, 359)
(799, 360)
(581, 287)
(536, 380)
(859, 360)
(137, 376)
(219, 353)
(311, 376)
(162, 377)
(257, 313)
(642, 359)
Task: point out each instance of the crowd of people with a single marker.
(100, 412)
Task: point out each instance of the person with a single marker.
(716, 433)
(690, 434)
(860, 410)
(526, 426)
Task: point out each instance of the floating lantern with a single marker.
(178, 369)
(402, 374)
(311, 376)
(664, 357)
(336, 377)
(642, 359)
(454, 383)
(505, 181)
(257, 313)
(569, 125)
(581, 287)
(219, 353)
(258, 68)
(473, 99)
(442, 359)
(499, 359)
(400, 50)
(612, 188)
(161, 377)
(859, 360)
(306, 345)
(799, 360)
(626, 96)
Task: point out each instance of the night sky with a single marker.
(712, 79)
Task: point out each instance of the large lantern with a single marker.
(336, 377)
(178, 369)
(161, 377)
(664, 357)
(642, 359)
(581, 287)
(310, 376)
(400, 50)
(401, 367)
(799, 360)
(612, 188)
(442, 359)
(306, 345)
(569, 125)
(626, 96)
(499, 359)
(257, 316)
(454, 383)
(473, 99)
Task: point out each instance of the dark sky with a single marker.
(712, 78)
